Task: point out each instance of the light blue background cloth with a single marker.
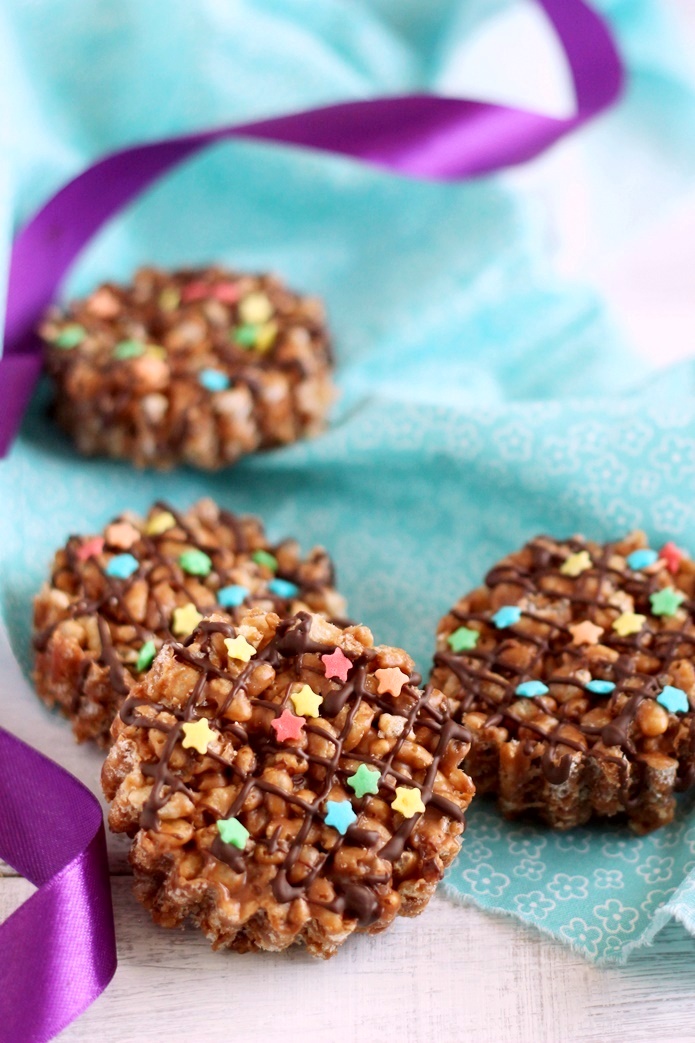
(482, 400)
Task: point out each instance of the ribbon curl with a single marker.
(415, 135)
(57, 950)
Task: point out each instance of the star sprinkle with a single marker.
(213, 380)
(146, 656)
(160, 523)
(196, 562)
(600, 687)
(90, 548)
(265, 336)
(232, 596)
(391, 679)
(169, 299)
(227, 292)
(306, 701)
(507, 616)
(282, 588)
(340, 815)
(673, 699)
(463, 640)
(197, 735)
(262, 557)
(239, 648)
(531, 689)
(666, 602)
(337, 664)
(233, 832)
(70, 336)
(287, 726)
(629, 623)
(408, 801)
(586, 633)
(672, 555)
(185, 619)
(575, 564)
(245, 336)
(642, 558)
(365, 780)
(128, 349)
(122, 566)
(122, 535)
(255, 308)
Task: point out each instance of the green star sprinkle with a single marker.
(128, 349)
(233, 832)
(666, 602)
(70, 336)
(196, 562)
(463, 639)
(262, 557)
(146, 656)
(245, 336)
(365, 780)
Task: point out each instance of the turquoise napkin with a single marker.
(482, 399)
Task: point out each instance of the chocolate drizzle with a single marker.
(488, 675)
(359, 899)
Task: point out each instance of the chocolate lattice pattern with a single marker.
(335, 882)
(90, 626)
(575, 750)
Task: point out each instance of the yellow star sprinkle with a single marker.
(185, 619)
(408, 801)
(160, 523)
(629, 623)
(306, 701)
(239, 648)
(576, 564)
(197, 735)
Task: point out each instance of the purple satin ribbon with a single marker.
(57, 950)
(416, 135)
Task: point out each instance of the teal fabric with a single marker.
(482, 399)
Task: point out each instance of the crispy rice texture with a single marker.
(296, 878)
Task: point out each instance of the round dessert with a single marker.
(114, 599)
(195, 366)
(573, 667)
(285, 782)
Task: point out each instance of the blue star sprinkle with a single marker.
(506, 616)
(282, 588)
(530, 689)
(600, 687)
(641, 559)
(232, 596)
(340, 815)
(673, 699)
(122, 566)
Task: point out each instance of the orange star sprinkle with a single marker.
(122, 535)
(391, 679)
(586, 633)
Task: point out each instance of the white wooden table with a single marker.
(454, 974)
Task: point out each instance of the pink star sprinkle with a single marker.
(287, 726)
(391, 679)
(195, 291)
(90, 548)
(672, 555)
(227, 292)
(337, 664)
